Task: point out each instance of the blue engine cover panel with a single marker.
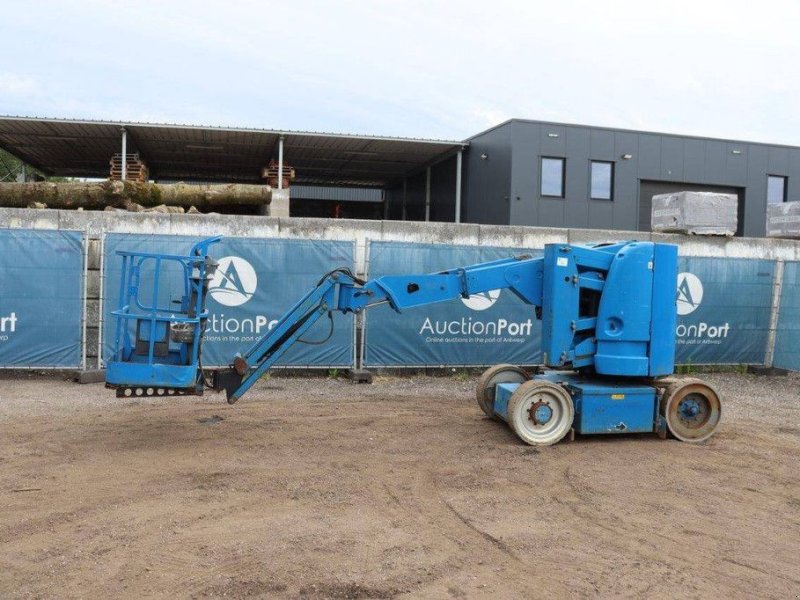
(623, 318)
(610, 307)
(665, 315)
(603, 406)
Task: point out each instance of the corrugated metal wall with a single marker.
(337, 194)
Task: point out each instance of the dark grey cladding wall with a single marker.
(394, 199)
(443, 185)
(512, 169)
(415, 199)
(578, 145)
(487, 181)
(443, 190)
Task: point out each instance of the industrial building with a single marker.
(520, 172)
(555, 175)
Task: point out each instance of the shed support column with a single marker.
(428, 194)
(24, 173)
(124, 154)
(405, 190)
(280, 163)
(279, 206)
(458, 186)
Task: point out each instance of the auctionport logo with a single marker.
(467, 329)
(690, 293)
(234, 283)
(481, 301)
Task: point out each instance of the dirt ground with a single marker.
(320, 488)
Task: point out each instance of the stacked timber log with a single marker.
(135, 169)
(132, 196)
(270, 173)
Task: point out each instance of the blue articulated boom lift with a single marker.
(608, 315)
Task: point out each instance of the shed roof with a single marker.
(82, 148)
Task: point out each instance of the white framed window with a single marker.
(553, 176)
(602, 180)
(776, 188)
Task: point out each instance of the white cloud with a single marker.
(488, 117)
(17, 85)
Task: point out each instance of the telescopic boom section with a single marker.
(342, 291)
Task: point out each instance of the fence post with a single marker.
(84, 313)
(101, 301)
(361, 318)
(777, 287)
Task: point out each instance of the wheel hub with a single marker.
(693, 409)
(540, 413)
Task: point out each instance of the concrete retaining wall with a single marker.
(96, 224)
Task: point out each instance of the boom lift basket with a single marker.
(157, 348)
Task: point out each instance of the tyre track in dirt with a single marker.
(323, 489)
(478, 556)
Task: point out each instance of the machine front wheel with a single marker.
(485, 391)
(691, 408)
(540, 412)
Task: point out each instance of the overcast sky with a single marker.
(420, 69)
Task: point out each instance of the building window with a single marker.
(602, 180)
(776, 189)
(553, 177)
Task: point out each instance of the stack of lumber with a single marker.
(270, 173)
(135, 169)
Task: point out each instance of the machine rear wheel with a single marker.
(691, 408)
(490, 378)
(540, 412)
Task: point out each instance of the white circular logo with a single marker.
(690, 293)
(481, 301)
(234, 282)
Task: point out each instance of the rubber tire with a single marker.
(530, 392)
(485, 389)
(675, 391)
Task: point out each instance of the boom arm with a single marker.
(342, 291)
(606, 308)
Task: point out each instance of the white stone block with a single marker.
(783, 220)
(698, 213)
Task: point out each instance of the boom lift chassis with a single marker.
(608, 315)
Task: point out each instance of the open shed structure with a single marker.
(335, 174)
(520, 172)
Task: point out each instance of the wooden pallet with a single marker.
(270, 173)
(135, 169)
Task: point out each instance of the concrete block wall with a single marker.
(96, 224)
